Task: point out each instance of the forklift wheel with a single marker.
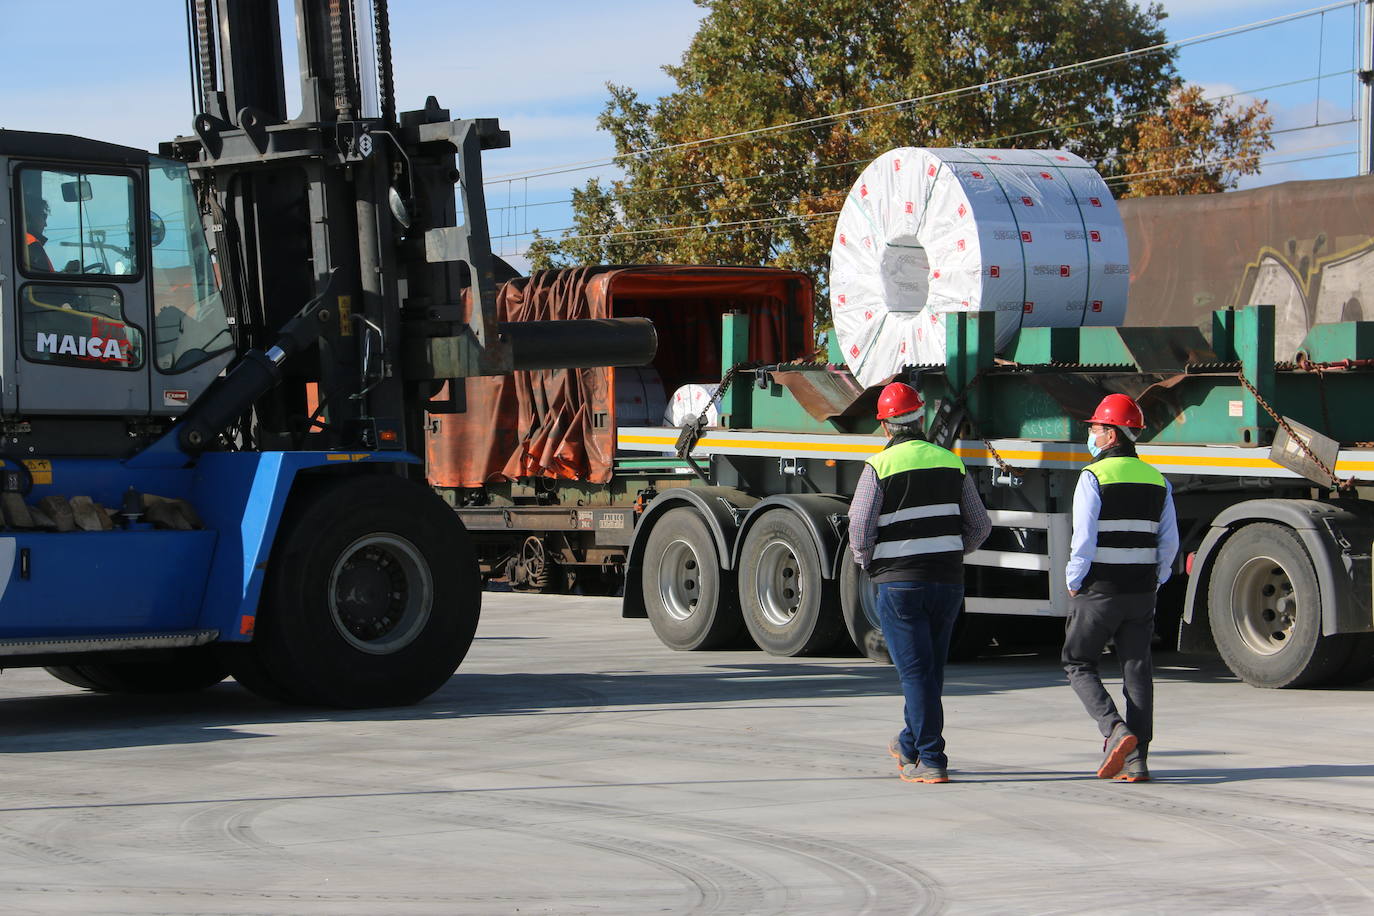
(372, 597)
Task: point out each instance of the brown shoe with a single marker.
(1114, 750)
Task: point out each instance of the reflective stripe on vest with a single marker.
(1127, 551)
(920, 520)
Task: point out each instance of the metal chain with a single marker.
(1336, 482)
(1001, 464)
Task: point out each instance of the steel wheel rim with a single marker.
(381, 593)
(778, 584)
(679, 580)
(1264, 608)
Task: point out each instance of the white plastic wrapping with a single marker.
(1033, 236)
(690, 401)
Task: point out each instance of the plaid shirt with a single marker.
(863, 516)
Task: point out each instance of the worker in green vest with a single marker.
(914, 515)
(1125, 538)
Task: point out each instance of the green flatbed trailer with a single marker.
(742, 527)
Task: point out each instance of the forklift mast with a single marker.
(352, 197)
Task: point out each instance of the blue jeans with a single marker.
(918, 621)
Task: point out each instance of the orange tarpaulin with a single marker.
(561, 423)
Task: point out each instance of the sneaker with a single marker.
(1133, 771)
(1114, 750)
(894, 747)
(923, 772)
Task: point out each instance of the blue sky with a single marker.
(540, 66)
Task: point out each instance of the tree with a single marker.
(1196, 146)
(769, 196)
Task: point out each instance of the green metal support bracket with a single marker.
(734, 349)
(1254, 346)
(970, 347)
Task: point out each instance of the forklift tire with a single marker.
(859, 608)
(1264, 608)
(372, 597)
(787, 605)
(186, 672)
(685, 589)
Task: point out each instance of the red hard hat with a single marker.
(898, 398)
(1118, 410)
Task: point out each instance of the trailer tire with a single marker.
(859, 607)
(684, 586)
(372, 597)
(1264, 608)
(1359, 664)
(788, 606)
(185, 672)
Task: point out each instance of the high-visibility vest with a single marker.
(1127, 555)
(920, 521)
(36, 259)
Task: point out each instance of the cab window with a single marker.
(189, 322)
(77, 223)
(80, 326)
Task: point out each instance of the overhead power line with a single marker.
(668, 233)
(930, 97)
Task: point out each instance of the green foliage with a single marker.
(770, 196)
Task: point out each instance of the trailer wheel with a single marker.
(684, 587)
(787, 605)
(859, 607)
(372, 598)
(1264, 608)
(1359, 665)
(186, 672)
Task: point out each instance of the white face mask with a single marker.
(1093, 448)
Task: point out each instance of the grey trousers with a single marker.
(1128, 620)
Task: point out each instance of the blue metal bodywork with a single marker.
(137, 580)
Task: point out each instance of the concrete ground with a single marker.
(574, 765)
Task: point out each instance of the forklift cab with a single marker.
(110, 302)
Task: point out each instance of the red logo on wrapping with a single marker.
(1062, 158)
(854, 350)
(930, 170)
(1063, 270)
(841, 298)
(842, 241)
(962, 209)
(863, 190)
(959, 244)
(978, 175)
(994, 270)
(1028, 202)
(1094, 201)
(1097, 305)
(934, 275)
(868, 316)
(1025, 235)
(1028, 307)
(902, 348)
(896, 165)
(1095, 235)
(998, 158)
(1047, 176)
(868, 242)
(910, 207)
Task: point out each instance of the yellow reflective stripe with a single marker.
(1125, 470)
(916, 455)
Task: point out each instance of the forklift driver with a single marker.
(36, 258)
